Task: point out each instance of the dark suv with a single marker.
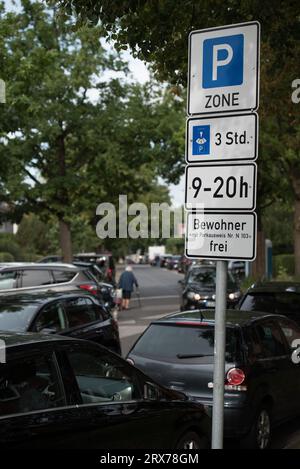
(76, 315)
(262, 382)
(273, 297)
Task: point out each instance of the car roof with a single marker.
(275, 287)
(13, 339)
(40, 266)
(40, 298)
(233, 317)
(85, 264)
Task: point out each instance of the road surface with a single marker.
(159, 295)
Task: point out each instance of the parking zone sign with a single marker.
(224, 69)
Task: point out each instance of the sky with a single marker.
(141, 74)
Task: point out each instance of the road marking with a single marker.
(126, 322)
(155, 297)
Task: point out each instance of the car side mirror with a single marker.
(152, 392)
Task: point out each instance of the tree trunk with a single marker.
(65, 241)
(64, 227)
(258, 266)
(297, 237)
(295, 176)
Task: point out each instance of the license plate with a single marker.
(210, 304)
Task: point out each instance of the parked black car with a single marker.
(76, 315)
(262, 382)
(199, 288)
(163, 260)
(107, 290)
(104, 261)
(273, 297)
(237, 268)
(172, 262)
(59, 393)
(50, 259)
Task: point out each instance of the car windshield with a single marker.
(16, 316)
(179, 342)
(207, 278)
(278, 303)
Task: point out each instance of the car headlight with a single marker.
(234, 296)
(193, 296)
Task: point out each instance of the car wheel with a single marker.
(259, 436)
(191, 440)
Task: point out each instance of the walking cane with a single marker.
(138, 297)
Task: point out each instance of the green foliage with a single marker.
(6, 257)
(157, 32)
(9, 245)
(278, 226)
(247, 283)
(32, 234)
(30, 257)
(283, 266)
(175, 245)
(63, 152)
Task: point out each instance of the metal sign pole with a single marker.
(219, 356)
(2, 92)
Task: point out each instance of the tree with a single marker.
(32, 235)
(157, 32)
(61, 151)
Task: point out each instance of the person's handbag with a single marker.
(119, 293)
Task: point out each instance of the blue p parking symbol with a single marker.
(223, 61)
(201, 140)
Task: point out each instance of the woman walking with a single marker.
(127, 282)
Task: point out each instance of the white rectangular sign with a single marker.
(222, 138)
(224, 69)
(220, 187)
(221, 236)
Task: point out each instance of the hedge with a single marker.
(12, 247)
(6, 257)
(283, 263)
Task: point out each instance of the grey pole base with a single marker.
(219, 356)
